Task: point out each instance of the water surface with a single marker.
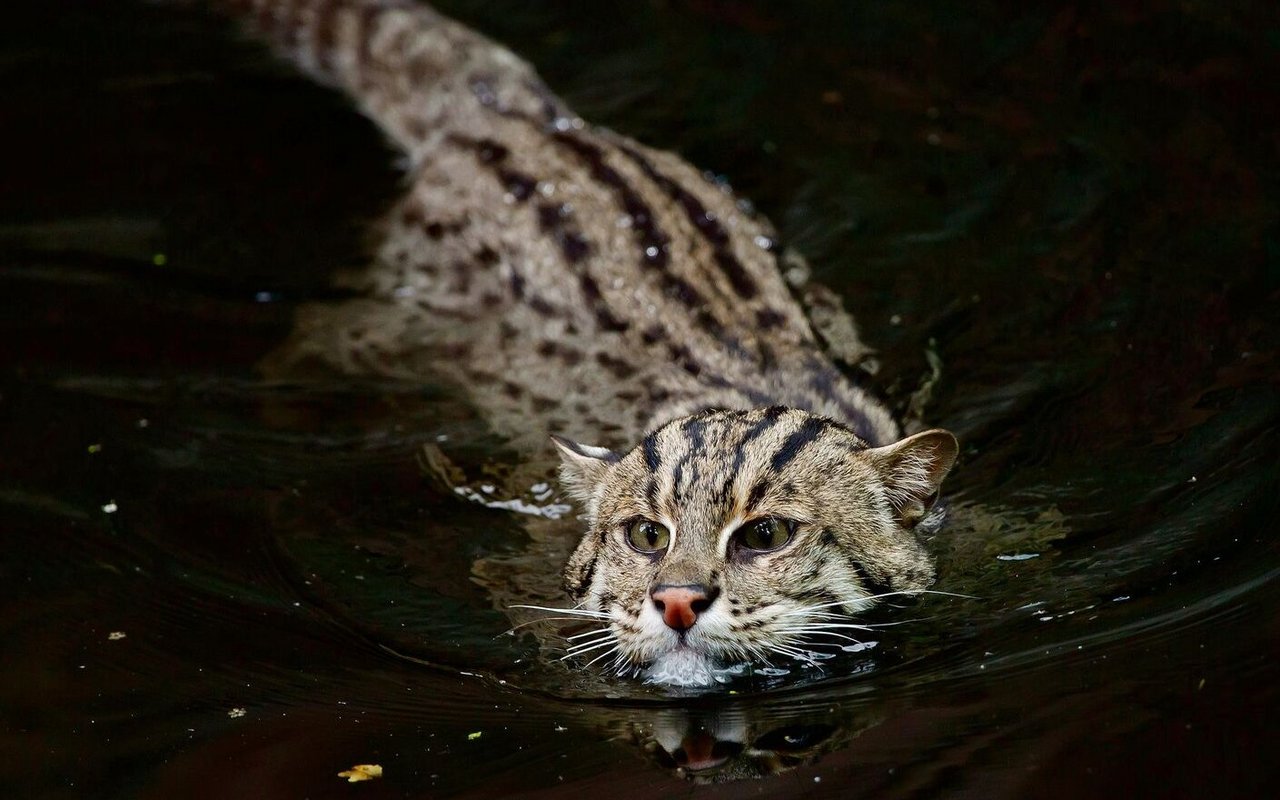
(225, 587)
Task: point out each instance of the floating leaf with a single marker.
(362, 772)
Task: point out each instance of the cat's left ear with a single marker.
(913, 469)
(582, 466)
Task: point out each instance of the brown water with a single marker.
(219, 587)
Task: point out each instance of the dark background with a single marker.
(1073, 206)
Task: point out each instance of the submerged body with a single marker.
(575, 282)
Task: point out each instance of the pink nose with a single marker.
(700, 751)
(681, 605)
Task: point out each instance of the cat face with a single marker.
(732, 536)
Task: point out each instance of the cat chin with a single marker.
(683, 667)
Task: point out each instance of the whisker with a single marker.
(577, 612)
(602, 638)
(827, 615)
(821, 633)
(820, 623)
(785, 649)
(826, 644)
(865, 626)
(514, 628)
(599, 636)
(589, 633)
(947, 594)
(586, 647)
(819, 614)
(602, 655)
(810, 609)
(622, 663)
(882, 595)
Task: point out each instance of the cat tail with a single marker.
(413, 71)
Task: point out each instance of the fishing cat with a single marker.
(750, 497)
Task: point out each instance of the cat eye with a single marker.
(648, 536)
(765, 534)
(794, 738)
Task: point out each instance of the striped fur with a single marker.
(597, 284)
(709, 475)
(575, 281)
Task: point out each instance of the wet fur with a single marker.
(705, 476)
(574, 281)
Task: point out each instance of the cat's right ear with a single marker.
(582, 466)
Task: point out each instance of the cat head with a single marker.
(733, 536)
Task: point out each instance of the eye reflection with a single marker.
(648, 536)
(763, 535)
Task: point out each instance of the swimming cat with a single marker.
(750, 497)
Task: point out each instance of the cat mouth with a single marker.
(692, 664)
(683, 665)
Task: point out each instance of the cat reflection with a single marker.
(729, 744)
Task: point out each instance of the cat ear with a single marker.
(582, 466)
(912, 471)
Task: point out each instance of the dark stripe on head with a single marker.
(797, 441)
(771, 416)
(651, 493)
(757, 494)
(651, 457)
(695, 429)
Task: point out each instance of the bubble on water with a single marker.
(858, 647)
(1016, 556)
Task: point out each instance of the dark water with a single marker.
(1073, 211)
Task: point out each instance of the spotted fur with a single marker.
(577, 282)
